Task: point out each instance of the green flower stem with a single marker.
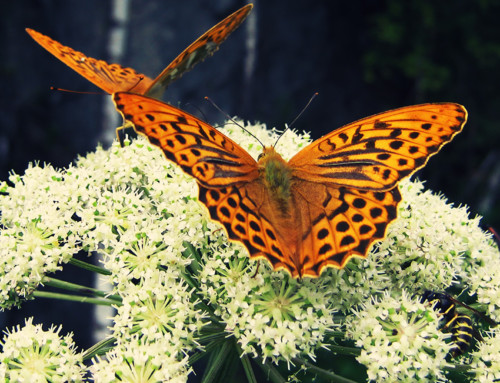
(245, 361)
(100, 348)
(192, 283)
(219, 356)
(335, 334)
(330, 376)
(191, 251)
(345, 350)
(212, 333)
(75, 298)
(89, 266)
(462, 368)
(57, 283)
(271, 372)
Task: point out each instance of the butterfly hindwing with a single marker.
(243, 212)
(376, 152)
(198, 148)
(339, 223)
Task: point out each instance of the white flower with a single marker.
(136, 361)
(30, 354)
(486, 359)
(159, 306)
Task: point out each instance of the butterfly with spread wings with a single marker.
(328, 203)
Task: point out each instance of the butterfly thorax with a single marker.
(276, 175)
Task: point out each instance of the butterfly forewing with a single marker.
(109, 77)
(198, 148)
(376, 152)
(200, 49)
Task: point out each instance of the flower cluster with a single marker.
(400, 339)
(180, 288)
(30, 354)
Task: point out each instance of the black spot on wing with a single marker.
(359, 203)
(357, 217)
(365, 229)
(255, 226)
(342, 226)
(240, 229)
(381, 125)
(258, 240)
(395, 133)
(414, 135)
(396, 144)
(347, 240)
(322, 234)
(375, 212)
(357, 136)
(344, 137)
(271, 234)
(325, 249)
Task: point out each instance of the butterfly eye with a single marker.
(260, 156)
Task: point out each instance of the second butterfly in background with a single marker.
(325, 205)
(115, 78)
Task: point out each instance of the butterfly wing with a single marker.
(227, 175)
(345, 182)
(244, 211)
(333, 224)
(337, 224)
(376, 152)
(202, 48)
(109, 77)
(198, 148)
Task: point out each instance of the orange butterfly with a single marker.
(115, 78)
(330, 202)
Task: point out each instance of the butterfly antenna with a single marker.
(230, 118)
(72, 91)
(197, 108)
(296, 118)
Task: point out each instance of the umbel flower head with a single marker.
(400, 339)
(182, 290)
(30, 354)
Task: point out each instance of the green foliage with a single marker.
(425, 51)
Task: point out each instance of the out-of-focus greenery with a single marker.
(446, 51)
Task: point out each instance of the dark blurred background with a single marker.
(363, 57)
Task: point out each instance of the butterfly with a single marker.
(327, 204)
(115, 78)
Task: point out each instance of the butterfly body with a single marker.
(277, 178)
(325, 205)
